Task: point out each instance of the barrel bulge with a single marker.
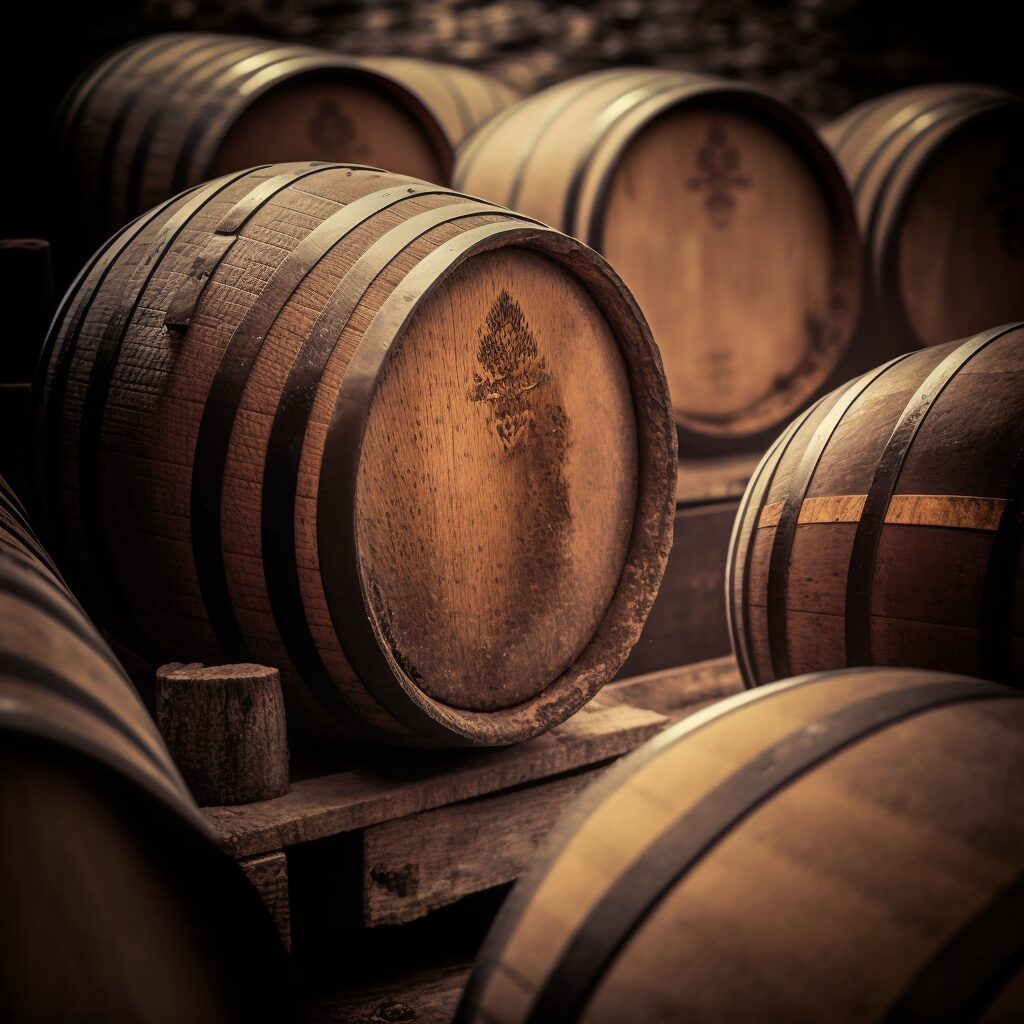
(410, 448)
(722, 212)
(884, 526)
(874, 795)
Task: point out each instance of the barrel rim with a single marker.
(345, 585)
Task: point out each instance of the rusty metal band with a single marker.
(129, 100)
(171, 102)
(571, 823)
(577, 89)
(886, 476)
(738, 597)
(661, 91)
(199, 125)
(777, 598)
(969, 971)
(285, 444)
(337, 541)
(49, 400)
(999, 598)
(183, 305)
(229, 382)
(637, 893)
(101, 374)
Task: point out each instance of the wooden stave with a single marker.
(882, 163)
(651, 92)
(992, 613)
(66, 700)
(577, 927)
(579, 262)
(163, 152)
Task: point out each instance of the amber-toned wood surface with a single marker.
(935, 175)
(225, 728)
(116, 903)
(167, 112)
(412, 450)
(722, 211)
(885, 526)
(840, 847)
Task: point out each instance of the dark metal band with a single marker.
(337, 541)
(228, 385)
(192, 79)
(785, 532)
(738, 611)
(971, 969)
(998, 595)
(876, 503)
(291, 419)
(620, 914)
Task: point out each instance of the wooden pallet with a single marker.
(396, 835)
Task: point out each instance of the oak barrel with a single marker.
(411, 449)
(722, 211)
(174, 110)
(840, 846)
(885, 525)
(117, 902)
(936, 178)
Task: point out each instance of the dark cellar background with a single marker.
(821, 55)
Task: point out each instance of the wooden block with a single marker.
(269, 874)
(426, 997)
(225, 727)
(428, 860)
(391, 783)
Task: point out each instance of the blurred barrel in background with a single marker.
(722, 211)
(843, 846)
(412, 449)
(937, 175)
(885, 526)
(160, 115)
(117, 904)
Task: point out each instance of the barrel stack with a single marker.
(118, 905)
(722, 211)
(411, 448)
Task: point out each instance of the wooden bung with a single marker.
(841, 846)
(225, 728)
(117, 902)
(411, 449)
(884, 527)
(722, 211)
(936, 177)
(170, 111)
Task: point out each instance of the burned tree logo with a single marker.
(333, 132)
(718, 162)
(510, 370)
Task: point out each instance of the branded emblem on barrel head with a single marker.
(718, 162)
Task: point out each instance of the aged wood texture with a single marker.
(884, 527)
(225, 728)
(936, 177)
(724, 214)
(677, 691)
(400, 785)
(116, 902)
(412, 450)
(167, 112)
(268, 873)
(843, 846)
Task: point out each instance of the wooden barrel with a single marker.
(884, 527)
(117, 902)
(722, 211)
(841, 846)
(936, 178)
(174, 110)
(411, 449)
